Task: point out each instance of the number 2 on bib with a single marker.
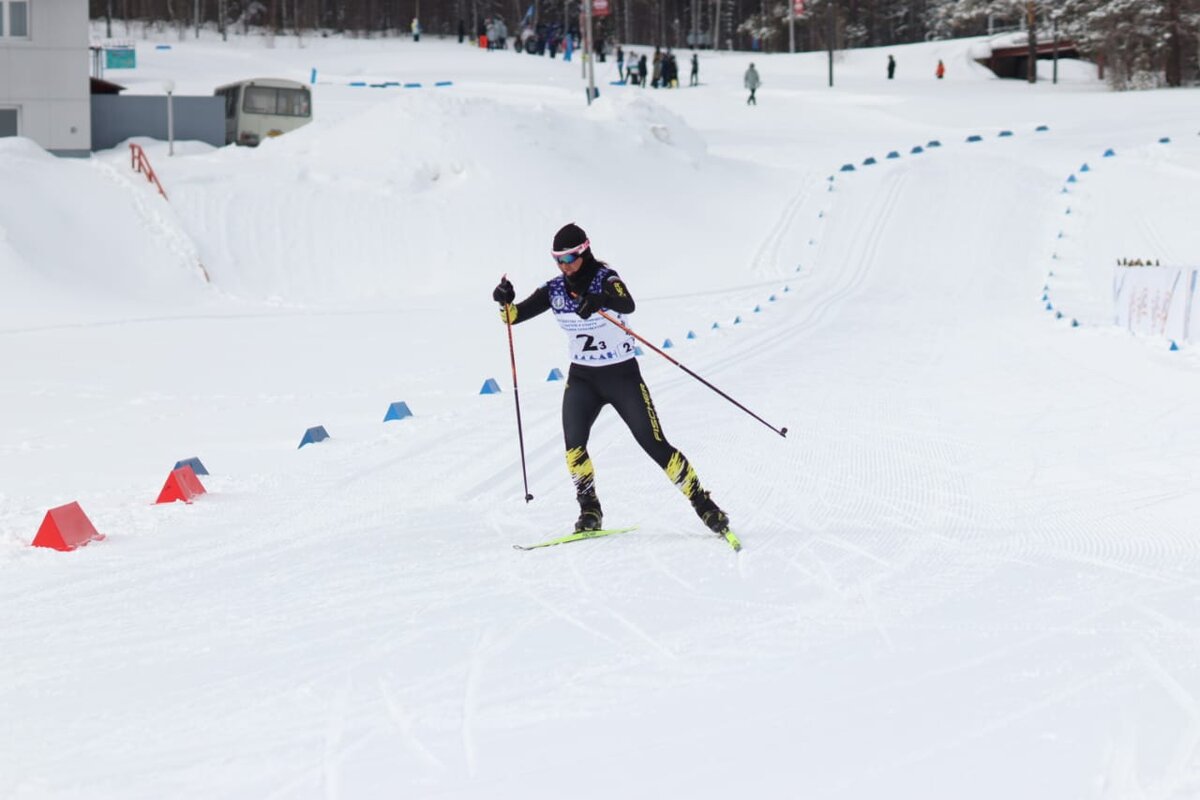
(590, 344)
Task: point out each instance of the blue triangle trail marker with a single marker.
(490, 387)
(555, 375)
(314, 435)
(193, 462)
(398, 410)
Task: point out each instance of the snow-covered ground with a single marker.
(970, 569)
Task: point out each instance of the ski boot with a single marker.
(590, 515)
(710, 514)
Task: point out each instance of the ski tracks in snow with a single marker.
(162, 226)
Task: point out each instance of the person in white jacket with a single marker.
(752, 83)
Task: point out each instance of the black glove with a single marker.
(503, 293)
(590, 304)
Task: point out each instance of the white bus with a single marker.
(262, 108)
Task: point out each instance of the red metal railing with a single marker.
(140, 163)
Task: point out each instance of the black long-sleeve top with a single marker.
(616, 295)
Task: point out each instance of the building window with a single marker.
(8, 122)
(16, 14)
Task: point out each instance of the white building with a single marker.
(44, 79)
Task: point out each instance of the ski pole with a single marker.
(780, 431)
(512, 355)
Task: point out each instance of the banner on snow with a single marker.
(1159, 301)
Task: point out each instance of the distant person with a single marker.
(941, 70)
(620, 64)
(642, 70)
(891, 67)
(462, 31)
(670, 71)
(656, 77)
(416, 30)
(752, 82)
(695, 79)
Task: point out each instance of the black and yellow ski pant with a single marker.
(620, 385)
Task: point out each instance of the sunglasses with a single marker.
(568, 256)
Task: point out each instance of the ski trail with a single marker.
(623, 620)
(1181, 770)
(331, 753)
(404, 724)
(470, 703)
(925, 751)
(157, 218)
(765, 261)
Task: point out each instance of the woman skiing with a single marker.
(603, 372)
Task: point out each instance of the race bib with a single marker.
(593, 341)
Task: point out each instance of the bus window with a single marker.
(294, 103)
(259, 100)
(272, 100)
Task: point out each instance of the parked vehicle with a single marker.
(263, 108)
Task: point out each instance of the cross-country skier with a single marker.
(603, 372)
